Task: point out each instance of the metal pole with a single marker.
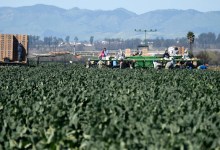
(145, 37)
(74, 49)
(145, 31)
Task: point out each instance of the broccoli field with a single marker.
(58, 106)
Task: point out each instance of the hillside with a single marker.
(44, 20)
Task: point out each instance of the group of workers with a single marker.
(169, 64)
(168, 56)
(104, 55)
(187, 63)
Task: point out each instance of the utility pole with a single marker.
(145, 31)
(74, 49)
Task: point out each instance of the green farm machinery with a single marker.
(141, 61)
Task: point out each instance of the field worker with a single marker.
(140, 52)
(189, 65)
(157, 65)
(120, 57)
(186, 54)
(173, 51)
(102, 54)
(105, 52)
(166, 55)
(100, 63)
(203, 67)
(131, 64)
(170, 64)
(136, 53)
(88, 63)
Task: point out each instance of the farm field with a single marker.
(60, 106)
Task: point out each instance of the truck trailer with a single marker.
(13, 49)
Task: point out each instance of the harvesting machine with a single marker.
(145, 59)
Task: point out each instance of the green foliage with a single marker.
(209, 57)
(61, 107)
(190, 37)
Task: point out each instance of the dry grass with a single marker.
(215, 68)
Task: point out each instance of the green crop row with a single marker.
(71, 107)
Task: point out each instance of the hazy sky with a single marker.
(137, 6)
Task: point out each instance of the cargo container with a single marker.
(13, 48)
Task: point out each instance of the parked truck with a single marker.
(13, 49)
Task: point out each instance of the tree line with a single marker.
(202, 41)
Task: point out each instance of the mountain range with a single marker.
(46, 20)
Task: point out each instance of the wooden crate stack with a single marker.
(181, 50)
(23, 39)
(145, 52)
(2, 47)
(127, 52)
(6, 47)
(9, 45)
